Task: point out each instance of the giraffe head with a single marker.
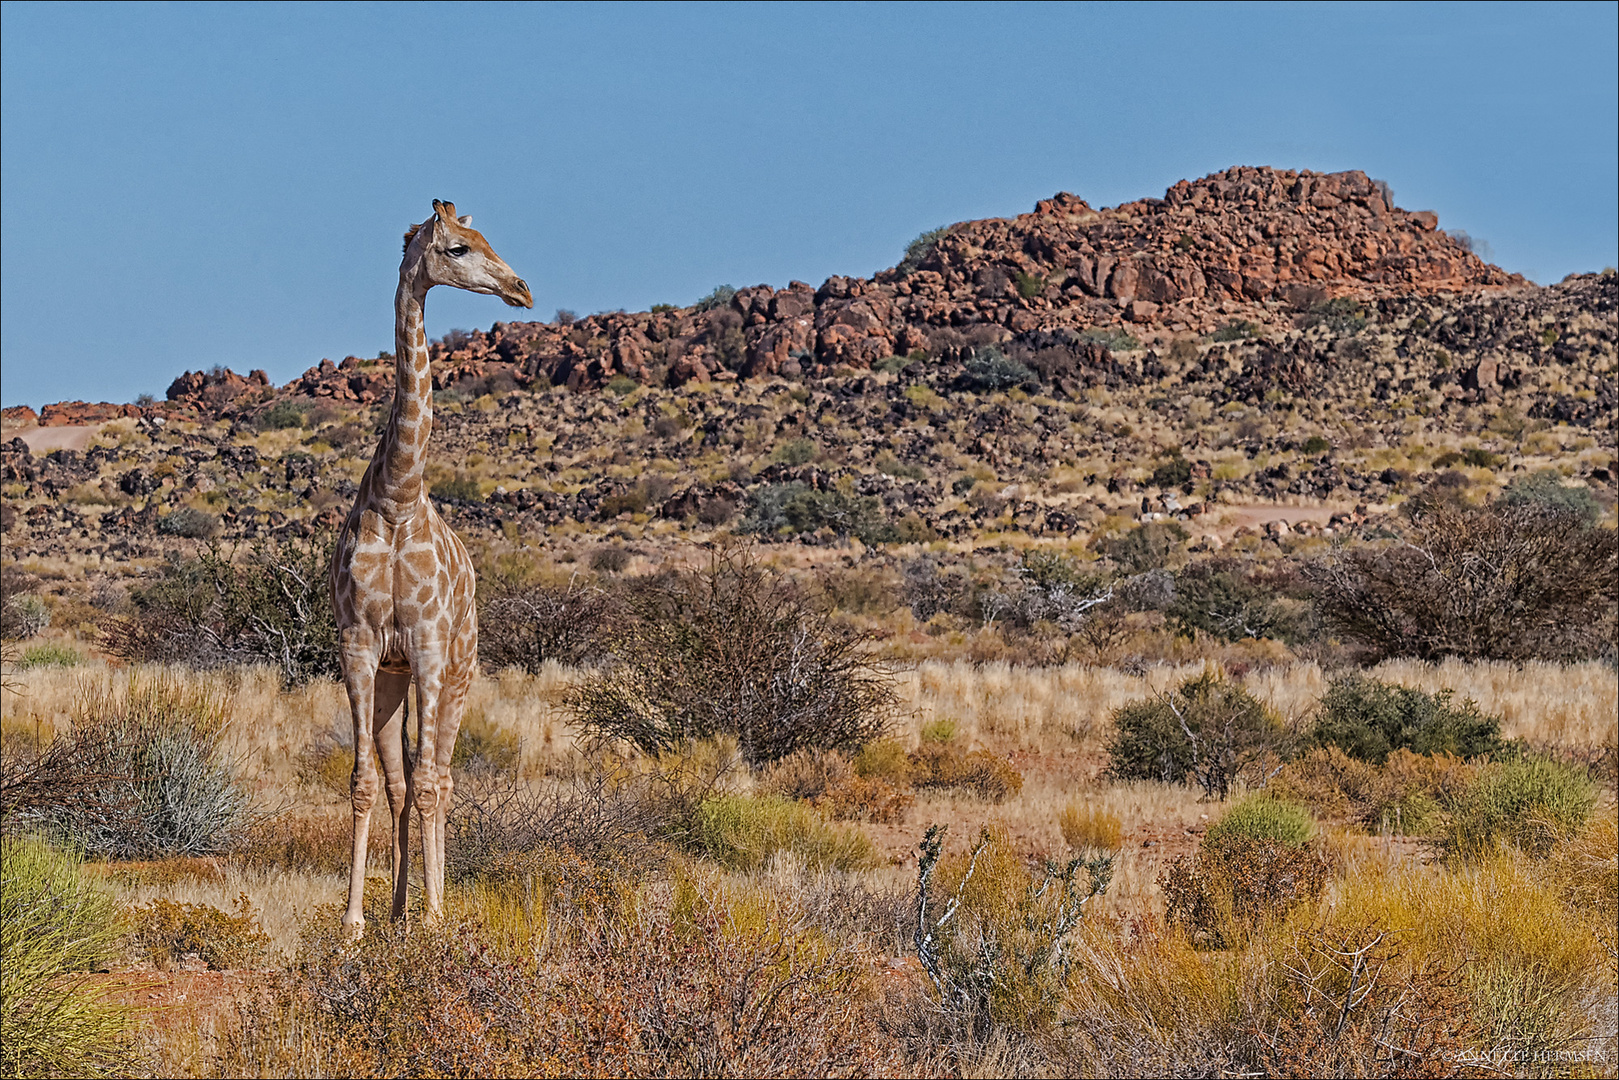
(447, 250)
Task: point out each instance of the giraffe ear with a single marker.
(465, 220)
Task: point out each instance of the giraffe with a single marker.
(402, 583)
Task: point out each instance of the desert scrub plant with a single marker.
(483, 747)
(168, 933)
(831, 785)
(1259, 817)
(988, 369)
(947, 766)
(458, 488)
(56, 925)
(1367, 719)
(733, 649)
(190, 523)
(22, 615)
(795, 507)
(1545, 488)
(154, 746)
(1531, 803)
(920, 248)
(608, 813)
(1230, 599)
(1208, 731)
(269, 606)
(50, 655)
(1088, 827)
(1496, 583)
(742, 832)
(689, 986)
(1405, 795)
(991, 933)
(1532, 969)
(1235, 883)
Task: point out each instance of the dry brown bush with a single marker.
(945, 765)
(834, 787)
(525, 626)
(1496, 583)
(1404, 795)
(734, 649)
(637, 990)
(1237, 883)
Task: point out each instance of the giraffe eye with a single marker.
(457, 251)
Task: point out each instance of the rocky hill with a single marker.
(1254, 336)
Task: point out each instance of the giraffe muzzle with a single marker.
(518, 295)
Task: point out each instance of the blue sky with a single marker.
(188, 185)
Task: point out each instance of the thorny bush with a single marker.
(270, 606)
(1505, 582)
(735, 650)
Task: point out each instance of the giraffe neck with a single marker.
(401, 457)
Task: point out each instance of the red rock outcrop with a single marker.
(1248, 243)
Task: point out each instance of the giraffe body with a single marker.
(403, 585)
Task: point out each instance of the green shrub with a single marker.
(167, 933)
(1262, 818)
(1172, 473)
(796, 507)
(1316, 444)
(460, 488)
(1531, 803)
(742, 832)
(720, 297)
(162, 783)
(988, 369)
(1342, 315)
(1225, 598)
(799, 451)
(888, 462)
(890, 365)
(286, 413)
(1236, 330)
(1029, 285)
(1116, 339)
(22, 615)
(1206, 731)
(1149, 546)
(1545, 488)
(55, 925)
(919, 249)
(1367, 719)
(621, 385)
(50, 655)
(190, 523)
(942, 730)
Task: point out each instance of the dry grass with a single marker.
(1528, 945)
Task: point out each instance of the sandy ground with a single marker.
(42, 440)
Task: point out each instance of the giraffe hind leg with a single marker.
(392, 689)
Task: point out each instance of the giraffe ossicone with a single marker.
(402, 583)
